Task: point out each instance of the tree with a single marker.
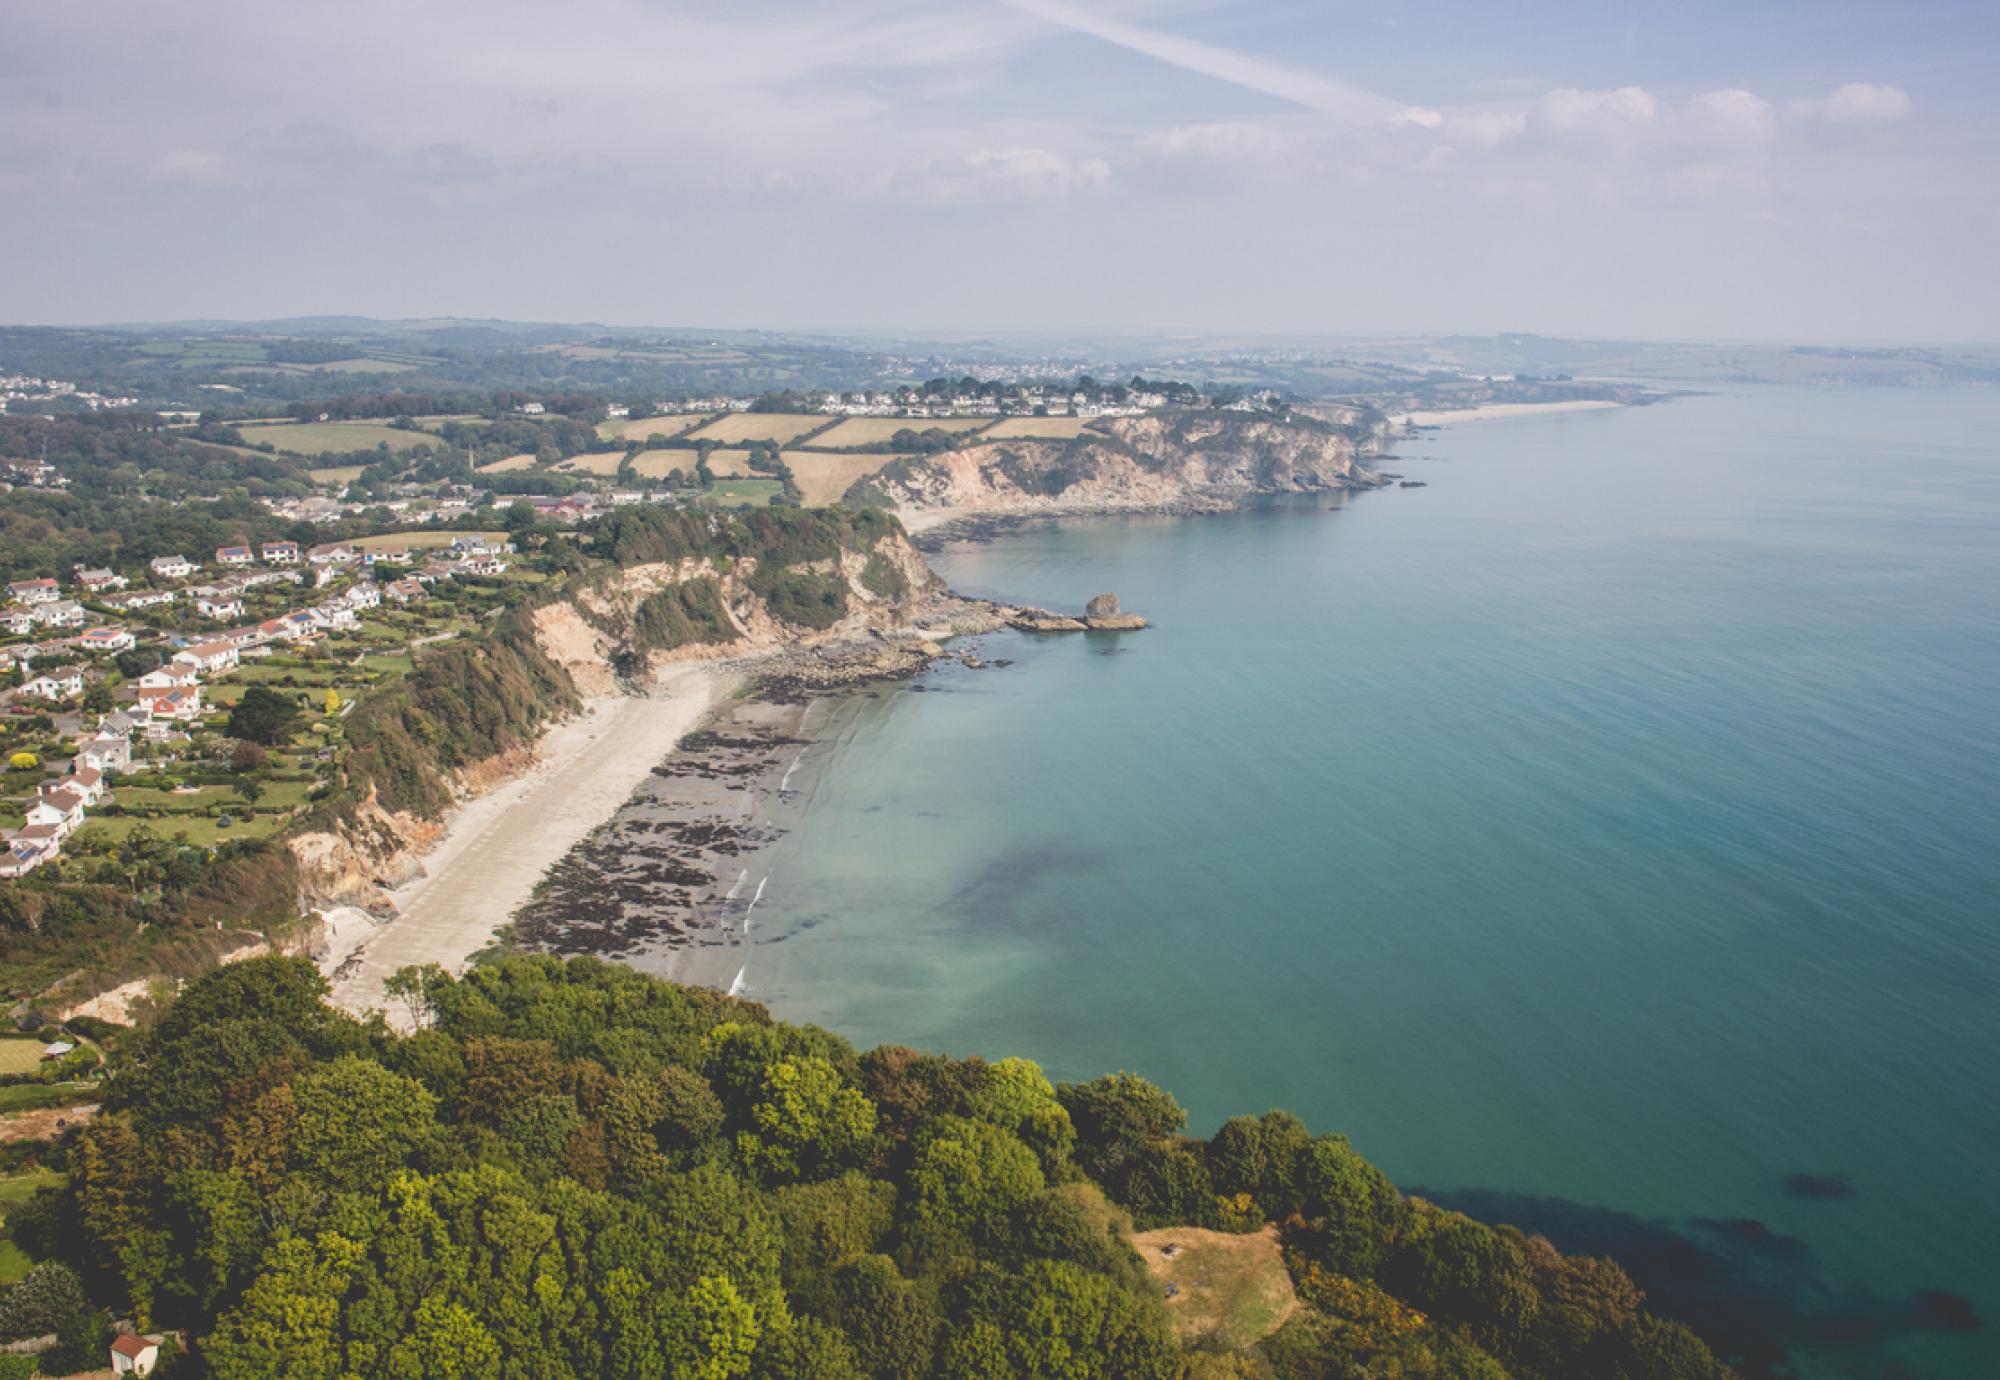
(807, 1123)
(357, 1123)
(247, 756)
(968, 1176)
(264, 716)
(332, 702)
(24, 761)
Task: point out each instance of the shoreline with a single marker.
(1493, 412)
(497, 846)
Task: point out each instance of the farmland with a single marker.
(318, 438)
(337, 475)
(729, 464)
(877, 431)
(647, 428)
(822, 479)
(779, 427)
(603, 464)
(744, 493)
(1036, 428)
(658, 464)
(524, 461)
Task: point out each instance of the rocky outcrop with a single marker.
(1103, 606)
(1167, 462)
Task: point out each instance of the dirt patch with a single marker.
(45, 1123)
(1235, 1288)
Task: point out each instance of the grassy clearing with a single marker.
(647, 428)
(1035, 429)
(201, 831)
(780, 427)
(1235, 1288)
(19, 1055)
(878, 431)
(16, 1189)
(744, 493)
(462, 418)
(317, 438)
(822, 479)
(336, 475)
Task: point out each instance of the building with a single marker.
(18, 620)
(59, 808)
(138, 599)
(281, 553)
(63, 613)
(57, 683)
(235, 555)
(209, 658)
(40, 591)
(133, 1355)
(106, 640)
(331, 553)
(106, 752)
(219, 606)
(27, 850)
(172, 676)
(86, 781)
(404, 591)
(171, 567)
(100, 581)
(178, 706)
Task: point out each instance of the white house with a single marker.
(57, 683)
(176, 705)
(235, 555)
(18, 620)
(106, 753)
(331, 553)
(133, 1355)
(86, 781)
(22, 856)
(40, 591)
(281, 553)
(219, 606)
(60, 809)
(63, 613)
(208, 657)
(172, 676)
(138, 599)
(171, 567)
(106, 640)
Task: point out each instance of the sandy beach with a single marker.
(1492, 412)
(497, 846)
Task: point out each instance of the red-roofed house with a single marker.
(132, 1355)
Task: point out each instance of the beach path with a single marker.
(497, 846)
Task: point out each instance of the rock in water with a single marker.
(1103, 606)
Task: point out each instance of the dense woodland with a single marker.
(570, 1169)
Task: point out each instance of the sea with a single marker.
(1605, 837)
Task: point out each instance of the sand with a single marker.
(497, 846)
(1497, 411)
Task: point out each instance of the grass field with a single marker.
(604, 464)
(19, 1055)
(729, 464)
(744, 493)
(646, 428)
(1035, 428)
(462, 418)
(877, 431)
(822, 479)
(524, 461)
(780, 427)
(201, 831)
(658, 464)
(316, 438)
(337, 474)
(1235, 1288)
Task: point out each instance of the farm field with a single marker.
(316, 438)
(732, 464)
(337, 474)
(822, 479)
(1035, 428)
(646, 428)
(780, 427)
(604, 464)
(658, 464)
(523, 461)
(877, 431)
(462, 418)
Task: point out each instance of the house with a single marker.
(17, 620)
(299, 626)
(22, 856)
(106, 753)
(364, 595)
(57, 683)
(531, 409)
(331, 553)
(483, 565)
(133, 1355)
(394, 555)
(60, 809)
(178, 706)
(208, 657)
(138, 599)
(405, 591)
(172, 676)
(87, 782)
(63, 613)
(106, 640)
(100, 581)
(281, 553)
(171, 567)
(235, 555)
(40, 591)
(219, 606)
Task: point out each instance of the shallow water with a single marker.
(1598, 836)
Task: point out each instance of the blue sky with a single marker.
(1775, 170)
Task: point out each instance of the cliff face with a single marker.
(1190, 460)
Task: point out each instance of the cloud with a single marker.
(1615, 119)
(1857, 103)
(1018, 174)
(1730, 118)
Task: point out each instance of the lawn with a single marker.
(744, 493)
(822, 479)
(738, 427)
(316, 438)
(201, 831)
(19, 1055)
(35, 1097)
(1036, 428)
(879, 431)
(1235, 1288)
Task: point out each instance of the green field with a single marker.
(201, 831)
(318, 438)
(19, 1054)
(744, 493)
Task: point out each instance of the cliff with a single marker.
(1174, 461)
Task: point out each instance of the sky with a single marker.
(1784, 169)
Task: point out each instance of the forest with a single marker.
(572, 1169)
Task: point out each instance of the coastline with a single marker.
(1493, 412)
(496, 847)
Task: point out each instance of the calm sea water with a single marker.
(1598, 836)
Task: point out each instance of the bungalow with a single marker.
(58, 683)
(106, 640)
(133, 1355)
(171, 567)
(176, 705)
(60, 808)
(63, 613)
(334, 616)
(40, 591)
(106, 752)
(86, 781)
(172, 676)
(101, 581)
(406, 590)
(331, 553)
(219, 606)
(281, 553)
(235, 555)
(209, 657)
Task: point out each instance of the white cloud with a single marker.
(1018, 174)
(1730, 118)
(1857, 103)
(1612, 119)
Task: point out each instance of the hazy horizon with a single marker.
(1781, 173)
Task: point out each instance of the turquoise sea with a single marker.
(1603, 837)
